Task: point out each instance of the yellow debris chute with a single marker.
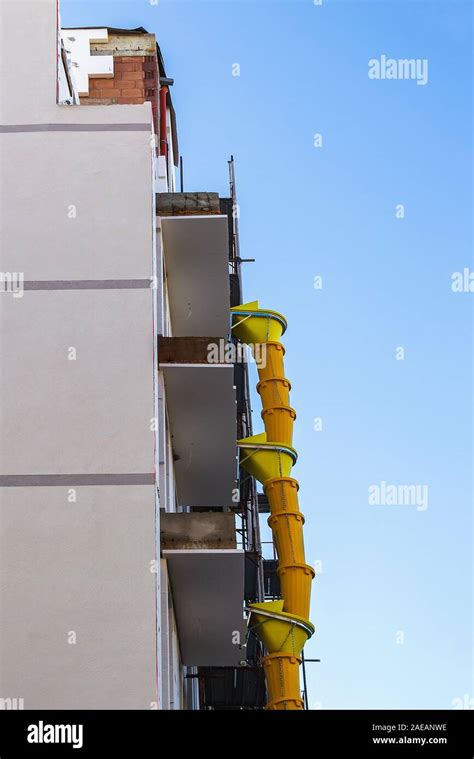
(283, 626)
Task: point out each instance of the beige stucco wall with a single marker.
(75, 205)
(77, 597)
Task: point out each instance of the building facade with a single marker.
(129, 547)
(131, 567)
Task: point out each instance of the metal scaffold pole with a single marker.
(252, 517)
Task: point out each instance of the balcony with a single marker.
(196, 253)
(206, 574)
(201, 403)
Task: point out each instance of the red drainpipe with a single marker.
(163, 141)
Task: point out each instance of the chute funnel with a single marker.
(252, 324)
(279, 632)
(263, 460)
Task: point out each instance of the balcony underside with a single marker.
(196, 252)
(208, 592)
(202, 416)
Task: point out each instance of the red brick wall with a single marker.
(150, 70)
(135, 81)
(127, 86)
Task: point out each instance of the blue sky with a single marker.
(331, 212)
